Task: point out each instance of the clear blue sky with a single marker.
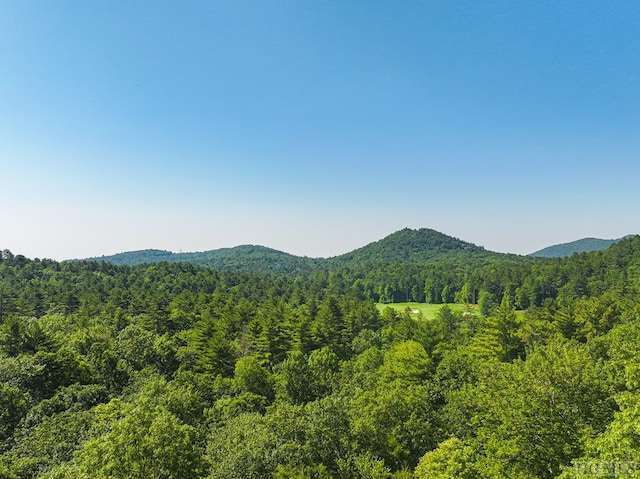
(315, 127)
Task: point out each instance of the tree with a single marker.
(486, 302)
(363, 466)
(242, 448)
(447, 294)
(395, 421)
(46, 445)
(324, 366)
(465, 294)
(295, 380)
(318, 471)
(250, 376)
(452, 459)
(620, 443)
(139, 441)
(499, 336)
(531, 418)
(329, 324)
(13, 406)
(406, 362)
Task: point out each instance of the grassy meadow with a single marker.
(429, 311)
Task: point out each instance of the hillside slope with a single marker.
(410, 246)
(404, 246)
(238, 258)
(584, 245)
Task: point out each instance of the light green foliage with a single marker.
(597, 315)
(406, 362)
(327, 432)
(621, 347)
(621, 440)
(532, 417)
(487, 302)
(452, 459)
(52, 430)
(135, 345)
(229, 407)
(180, 371)
(96, 344)
(139, 441)
(324, 366)
(241, 449)
(428, 311)
(302, 472)
(250, 376)
(396, 421)
(363, 466)
(294, 380)
(362, 370)
(305, 379)
(317, 433)
(616, 450)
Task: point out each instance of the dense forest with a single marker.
(584, 245)
(181, 370)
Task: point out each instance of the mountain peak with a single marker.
(407, 244)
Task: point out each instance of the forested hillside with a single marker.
(410, 245)
(247, 258)
(585, 245)
(176, 370)
(403, 246)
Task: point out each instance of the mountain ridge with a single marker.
(583, 245)
(405, 245)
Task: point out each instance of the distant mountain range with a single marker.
(238, 258)
(585, 245)
(404, 246)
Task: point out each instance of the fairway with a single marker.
(429, 311)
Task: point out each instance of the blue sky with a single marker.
(316, 127)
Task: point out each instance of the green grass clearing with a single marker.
(429, 311)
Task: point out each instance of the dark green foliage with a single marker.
(403, 246)
(239, 258)
(175, 370)
(498, 337)
(585, 245)
(13, 406)
(407, 246)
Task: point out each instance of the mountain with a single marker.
(584, 245)
(410, 246)
(238, 258)
(404, 246)
(132, 258)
